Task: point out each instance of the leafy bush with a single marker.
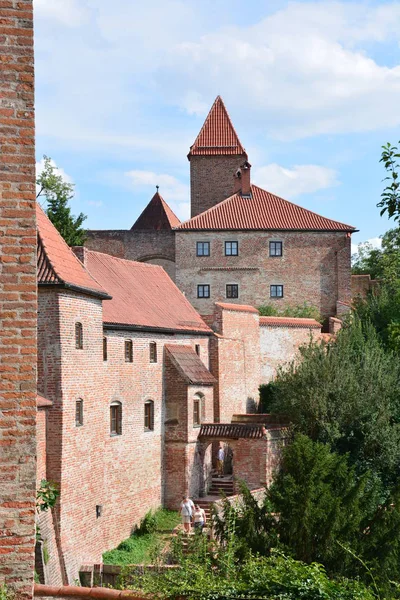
(147, 525)
(301, 311)
(46, 495)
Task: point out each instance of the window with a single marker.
(276, 291)
(153, 352)
(197, 348)
(128, 351)
(275, 248)
(231, 249)
(232, 290)
(78, 336)
(104, 348)
(198, 410)
(116, 418)
(203, 249)
(203, 291)
(149, 415)
(79, 413)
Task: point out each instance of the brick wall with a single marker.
(155, 247)
(235, 361)
(18, 297)
(212, 180)
(314, 268)
(279, 346)
(122, 473)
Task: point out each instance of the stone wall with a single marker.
(212, 180)
(280, 345)
(314, 268)
(361, 285)
(155, 247)
(18, 297)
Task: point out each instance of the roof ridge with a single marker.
(156, 215)
(217, 134)
(208, 211)
(125, 260)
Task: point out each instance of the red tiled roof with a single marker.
(143, 295)
(217, 136)
(238, 307)
(42, 402)
(57, 264)
(289, 322)
(189, 365)
(157, 215)
(262, 210)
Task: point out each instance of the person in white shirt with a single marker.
(187, 510)
(220, 461)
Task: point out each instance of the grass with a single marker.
(141, 548)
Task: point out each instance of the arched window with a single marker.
(198, 410)
(115, 418)
(104, 348)
(149, 415)
(153, 352)
(128, 351)
(79, 413)
(78, 336)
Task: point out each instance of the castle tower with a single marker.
(214, 158)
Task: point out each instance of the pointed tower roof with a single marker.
(218, 135)
(157, 215)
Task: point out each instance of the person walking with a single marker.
(199, 518)
(220, 461)
(187, 509)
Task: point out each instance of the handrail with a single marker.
(75, 591)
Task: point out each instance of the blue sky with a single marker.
(313, 90)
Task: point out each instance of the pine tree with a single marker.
(58, 193)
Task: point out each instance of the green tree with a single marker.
(381, 263)
(347, 394)
(58, 193)
(390, 197)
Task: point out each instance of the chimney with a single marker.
(242, 180)
(80, 252)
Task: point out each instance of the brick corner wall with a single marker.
(18, 298)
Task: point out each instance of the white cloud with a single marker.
(289, 183)
(375, 242)
(67, 12)
(174, 192)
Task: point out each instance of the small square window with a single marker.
(232, 290)
(276, 291)
(275, 248)
(231, 249)
(128, 351)
(153, 352)
(79, 413)
(203, 291)
(203, 249)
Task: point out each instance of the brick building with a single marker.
(128, 375)
(17, 298)
(242, 244)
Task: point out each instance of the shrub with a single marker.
(147, 525)
(301, 311)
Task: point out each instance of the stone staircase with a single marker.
(218, 485)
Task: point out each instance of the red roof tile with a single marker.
(289, 322)
(189, 365)
(157, 215)
(42, 402)
(143, 295)
(237, 307)
(57, 264)
(262, 210)
(217, 136)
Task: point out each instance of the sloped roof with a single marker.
(237, 307)
(157, 215)
(189, 365)
(143, 296)
(42, 402)
(57, 264)
(289, 322)
(218, 135)
(261, 211)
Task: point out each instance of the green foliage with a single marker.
(381, 263)
(147, 525)
(144, 547)
(58, 193)
(46, 554)
(304, 311)
(347, 394)
(206, 574)
(382, 310)
(46, 495)
(6, 593)
(390, 197)
(267, 397)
